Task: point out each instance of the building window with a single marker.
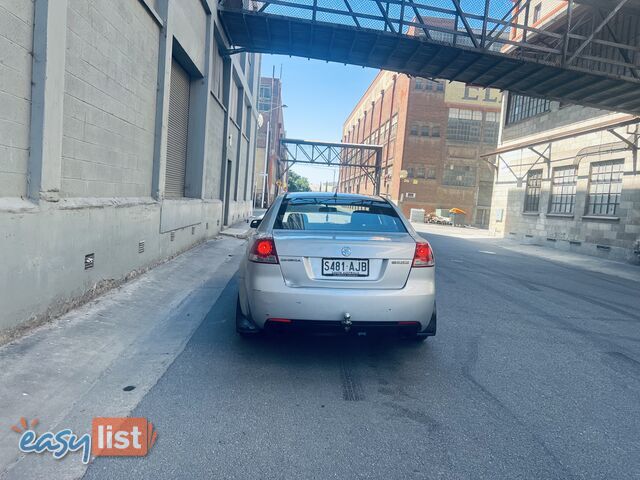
(520, 107)
(605, 187)
(425, 131)
(532, 193)
(394, 126)
(537, 10)
(491, 127)
(419, 84)
(247, 121)
(563, 190)
(409, 172)
(265, 92)
(439, 86)
(459, 176)
(384, 132)
(235, 102)
(435, 131)
(464, 125)
(414, 129)
(420, 172)
(431, 173)
(218, 70)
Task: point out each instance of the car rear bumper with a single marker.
(269, 300)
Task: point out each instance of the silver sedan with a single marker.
(325, 262)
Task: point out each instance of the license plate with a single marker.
(338, 267)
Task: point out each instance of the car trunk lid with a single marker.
(301, 254)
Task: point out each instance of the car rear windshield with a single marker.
(338, 214)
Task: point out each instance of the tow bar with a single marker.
(346, 323)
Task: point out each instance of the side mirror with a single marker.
(255, 223)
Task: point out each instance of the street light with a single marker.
(267, 147)
(274, 108)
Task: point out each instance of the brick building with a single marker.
(270, 106)
(433, 133)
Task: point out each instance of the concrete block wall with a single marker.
(109, 99)
(93, 182)
(556, 118)
(616, 237)
(16, 44)
(216, 120)
(43, 272)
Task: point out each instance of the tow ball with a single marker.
(346, 323)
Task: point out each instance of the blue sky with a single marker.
(319, 96)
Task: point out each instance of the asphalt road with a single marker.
(534, 374)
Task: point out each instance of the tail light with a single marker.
(264, 251)
(423, 256)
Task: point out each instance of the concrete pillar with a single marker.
(195, 180)
(47, 98)
(162, 102)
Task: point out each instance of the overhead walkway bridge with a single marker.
(583, 52)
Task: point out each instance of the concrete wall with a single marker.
(109, 109)
(615, 237)
(83, 141)
(16, 37)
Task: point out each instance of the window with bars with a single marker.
(563, 190)
(532, 192)
(605, 187)
(520, 107)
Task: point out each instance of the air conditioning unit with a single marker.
(410, 195)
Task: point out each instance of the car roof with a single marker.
(346, 196)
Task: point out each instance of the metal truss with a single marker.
(598, 35)
(366, 157)
(627, 141)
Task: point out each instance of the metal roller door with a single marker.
(177, 131)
